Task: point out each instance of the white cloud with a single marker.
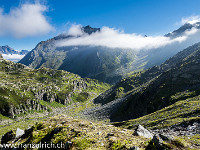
(12, 56)
(26, 20)
(191, 19)
(113, 38)
(75, 30)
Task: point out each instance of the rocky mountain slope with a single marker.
(98, 62)
(24, 90)
(16, 55)
(158, 87)
(102, 63)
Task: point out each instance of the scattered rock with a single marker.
(110, 134)
(189, 129)
(166, 138)
(158, 142)
(63, 122)
(19, 133)
(68, 145)
(123, 132)
(134, 148)
(57, 129)
(141, 131)
(112, 139)
(82, 124)
(110, 125)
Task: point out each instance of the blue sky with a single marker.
(146, 17)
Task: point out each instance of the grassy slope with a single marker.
(183, 111)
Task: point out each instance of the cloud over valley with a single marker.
(112, 38)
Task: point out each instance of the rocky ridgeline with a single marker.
(29, 105)
(23, 89)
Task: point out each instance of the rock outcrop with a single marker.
(23, 90)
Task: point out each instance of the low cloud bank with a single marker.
(13, 57)
(191, 19)
(113, 38)
(26, 20)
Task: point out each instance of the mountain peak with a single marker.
(187, 26)
(7, 47)
(89, 30)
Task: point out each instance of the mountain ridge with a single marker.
(11, 54)
(8, 50)
(102, 63)
(158, 87)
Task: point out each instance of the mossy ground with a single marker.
(83, 134)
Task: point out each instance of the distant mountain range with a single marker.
(11, 54)
(98, 62)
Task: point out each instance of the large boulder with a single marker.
(141, 131)
(157, 143)
(19, 133)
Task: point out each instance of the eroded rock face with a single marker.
(141, 131)
(29, 105)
